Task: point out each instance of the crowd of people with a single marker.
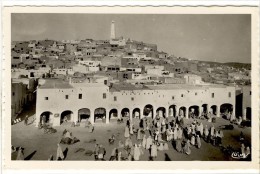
(150, 136)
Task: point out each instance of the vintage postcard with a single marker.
(156, 88)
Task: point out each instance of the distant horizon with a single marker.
(222, 38)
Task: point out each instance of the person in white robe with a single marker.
(201, 129)
(127, 134)
(144, 141)
(168, 135)
(192, 140)
(159, 137)
(212, 131)
(187, 149)
(131, 129)
(206, 132)
(60, 154)
(178, 145)
(198, 142)
(149, 142)
(247, 151)
(20, 154)
(175, 133)
(243, 149)
(137, 153)
(139, 135)
(154, 150)
(179, 133)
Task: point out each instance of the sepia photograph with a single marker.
(131, 87)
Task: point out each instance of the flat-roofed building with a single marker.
(96, 100)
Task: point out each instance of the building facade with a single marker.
(95, 100)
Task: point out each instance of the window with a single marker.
(173, 97)
(212, 95)
(195, 93)
(80, 96)
(250, 93)
(115, 99)
(66, 96)
(13, 93)
(132, 98)
(104, 95)
(46, 98)
(229, 94)
(182, 95)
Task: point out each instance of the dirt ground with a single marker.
(39, 146)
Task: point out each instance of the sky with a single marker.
(206, 37)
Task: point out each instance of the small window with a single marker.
(80, 96)
(66, 96)
(46, 98)
(212, 95)
(182, 95)
(104, 95)
(173, 97)
(195, 93)
(115, 99)
(13, 93)
(229, 94)
(132, 99)
(250, 93)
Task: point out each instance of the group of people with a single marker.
(17, 153)
(68, 138)
(99, 152)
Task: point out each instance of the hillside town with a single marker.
(97, 84)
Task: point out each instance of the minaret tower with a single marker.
(113, 30)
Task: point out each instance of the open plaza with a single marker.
(40, 146)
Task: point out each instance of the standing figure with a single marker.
(60, 155)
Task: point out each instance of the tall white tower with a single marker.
(113, 30)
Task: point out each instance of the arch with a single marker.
(172, 111)
(65, 116)
(47, 115)
(226, 110)
(194, 111)
(99, 114)
(161, 111)
(83, 114)
(248, 113)
(136, 113)
(204, 108)
(182, 111)
(125, 112)
(213, 110)
(113, 114)
(148, 111)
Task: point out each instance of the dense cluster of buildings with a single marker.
(120, 77)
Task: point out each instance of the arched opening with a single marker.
(66, 116)
(99, 114)
(161, 112)
(113, 114)
(45, 117)
(213, 110)
(194, 111)
(125, 112)
(182, 111)
(148, 111)
(136, 113)
(172, 111)
(248, 113)
(83, 114)
(204, 109)
(226, 110)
